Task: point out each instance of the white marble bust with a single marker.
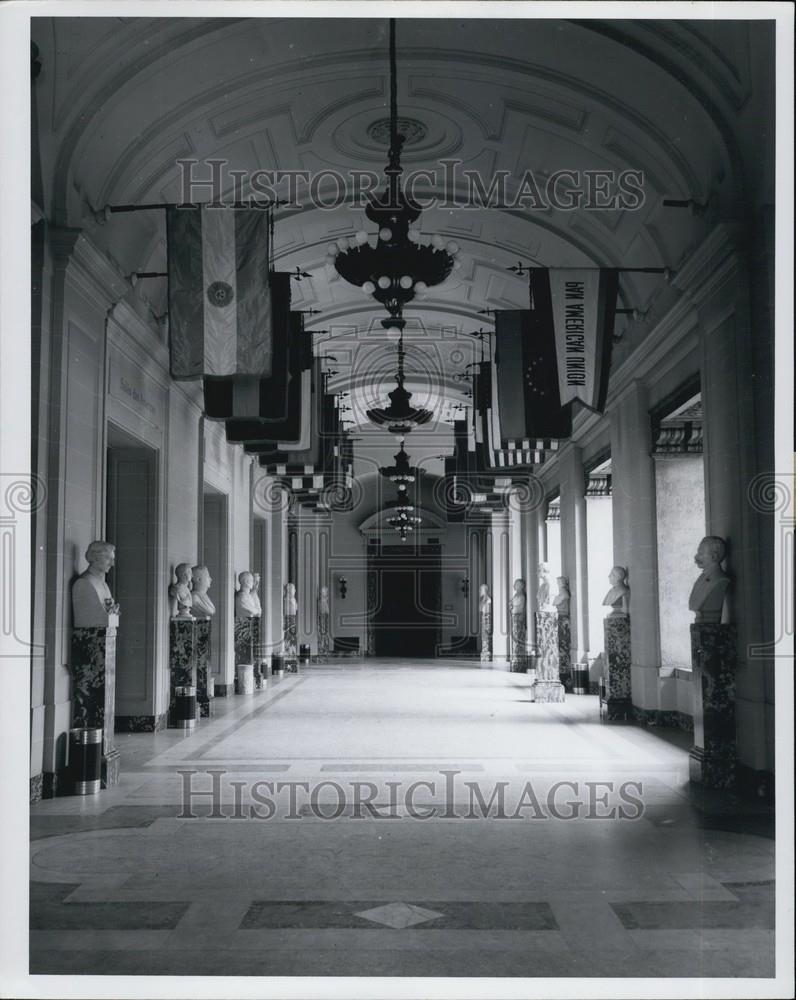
(290, 603)
(256, 593)
(202, 606)
(710, 588)
(543, 588)
(563, 597)
(484, 600)
(180, 596)
(618, 597)
(92, 602)
(518, 600)
(323, 601)
(246, 603)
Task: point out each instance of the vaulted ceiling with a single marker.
(120, 100)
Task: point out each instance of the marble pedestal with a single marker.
(486, 637)
(290, 638)
(547, 686)
(182, 658)
(618, 703)
(248, 649)
(519, 642)
(564, 640)
(93, 669)
(712, 760)
(204, 682)
(548, 691)
(324, 635)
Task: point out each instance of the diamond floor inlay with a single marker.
(399, 915)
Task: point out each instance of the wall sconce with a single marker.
(466, 586)
(342, 586)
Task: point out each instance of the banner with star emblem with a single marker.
(582, 305)
(220, 317)
(526, 402)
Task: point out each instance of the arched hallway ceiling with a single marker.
(119, 100)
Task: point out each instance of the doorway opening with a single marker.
(407, 586)
(215, 555)
(131, 524)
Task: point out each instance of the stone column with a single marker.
(635, 539)
(574, 560)
(93, 669)
(278, 577)
(736, 392)
(499, 551)
(712, 758)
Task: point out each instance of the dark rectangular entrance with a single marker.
(405, 588)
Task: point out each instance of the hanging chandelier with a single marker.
(400, 416)
(403, 518)
(398, 268)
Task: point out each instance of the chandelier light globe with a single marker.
(361, 237)
(368, 288)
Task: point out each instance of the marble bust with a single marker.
(618, 597)
(543, 588)
(202, 606)
(563, 597)
(323, 601)
(710, 588)
(180, 596)
(484, 600)
(291, 605)
(247, 604)
(518, 601)
(256, 593)
(92, 603)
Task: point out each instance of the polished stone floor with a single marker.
(403, 818)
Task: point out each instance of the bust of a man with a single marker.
(563, 597)
(180, 594)
(92, 603)
(710, 588)
(518, 600)
(484, 600)
(543, 588)
(202, 606)
(291, 605)
(246, 603)
(618, 597)
(323, 601)
(256, 592)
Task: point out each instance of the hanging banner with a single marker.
(582, 312)
(220, 316)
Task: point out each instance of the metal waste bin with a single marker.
(85, 760)
(277, 665)
(185, 707)
(305, 653)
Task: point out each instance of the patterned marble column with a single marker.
(617, 667)
(182, 658)
(486, 636)
(93, 671)
(547, 687)
(713, 656)
(204, 696)
(519, 642)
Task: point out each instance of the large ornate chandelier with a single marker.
(398, 268)
(400, 416)
(403, 518)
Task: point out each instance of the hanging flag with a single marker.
(526, 401)
(583, 308)
(292, 428)
(220, 315)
